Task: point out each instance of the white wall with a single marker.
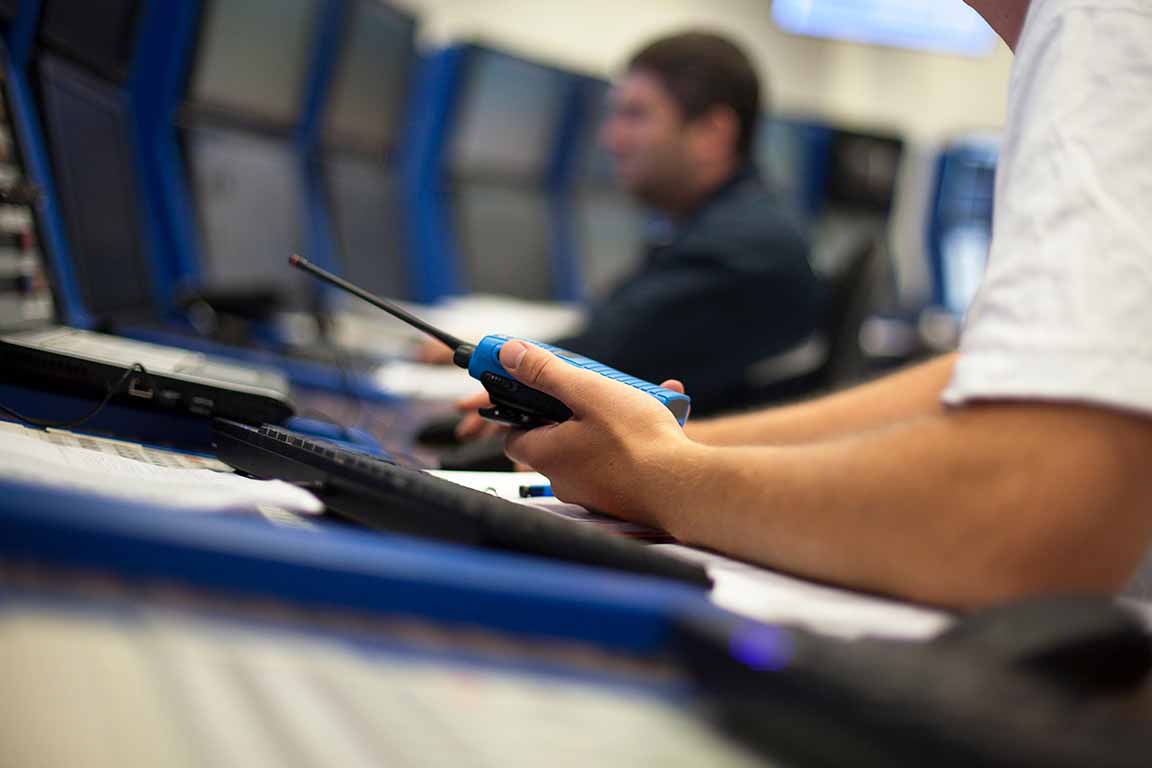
(926, 96)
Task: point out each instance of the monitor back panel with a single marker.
(88, 132)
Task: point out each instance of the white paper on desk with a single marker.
(425, 382)
(775, 597)
(34, 460)
(506, 485)
(477, 315)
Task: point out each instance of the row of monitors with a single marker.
(253, 58)
(252, 62)
(247, 183)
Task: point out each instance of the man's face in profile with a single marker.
(648, 138)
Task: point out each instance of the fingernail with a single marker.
(513, 354)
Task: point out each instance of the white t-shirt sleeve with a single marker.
(1065, 311)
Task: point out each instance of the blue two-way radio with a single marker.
(513, 403)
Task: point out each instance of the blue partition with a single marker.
(245, 561)
(484, 168)
(959, 232)
(166, 37)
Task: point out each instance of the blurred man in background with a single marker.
(725, 282)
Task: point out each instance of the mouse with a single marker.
(480, 456)
(440, 432)
(1085, 644)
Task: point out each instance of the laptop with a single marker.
(36, 351)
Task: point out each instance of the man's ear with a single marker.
(718, 130)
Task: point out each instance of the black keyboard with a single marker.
(379, 494)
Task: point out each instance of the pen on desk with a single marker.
(535, 491)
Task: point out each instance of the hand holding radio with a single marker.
(512, 403)
(473, 426)
(620, 446)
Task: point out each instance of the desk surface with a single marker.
(757, 593)
(741, 588)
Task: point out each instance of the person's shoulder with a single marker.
(749, 226)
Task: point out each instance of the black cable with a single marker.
(112, 392)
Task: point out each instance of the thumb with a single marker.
(542, 370)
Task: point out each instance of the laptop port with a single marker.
(201, 406)
(137, 388)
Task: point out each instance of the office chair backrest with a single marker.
(850, 299)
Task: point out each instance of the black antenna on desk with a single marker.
(462, 349)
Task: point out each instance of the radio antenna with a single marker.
(458, 346)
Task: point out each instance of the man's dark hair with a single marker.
(703, 70)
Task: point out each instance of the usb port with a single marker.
(137, 388)
(201, 405)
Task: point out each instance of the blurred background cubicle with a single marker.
(446, 153)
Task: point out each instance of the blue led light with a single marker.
(763, 648)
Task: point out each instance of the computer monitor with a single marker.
(99, 34)
(609, 229)
(594, 165)
(248, 194)
(365, 204)
(370, 87)
(863, 169)
(961, 230)
(508, 116)
(793, 155)
(362, 129)
(503, 144)
(253, 58)
(781, 156)
(88, 133)
(947, 26)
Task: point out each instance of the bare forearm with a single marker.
(954, 509)
(892, 399)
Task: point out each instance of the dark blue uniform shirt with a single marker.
(728, 286)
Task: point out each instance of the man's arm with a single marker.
(960, 508)
(956, 508)
(892, 399)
